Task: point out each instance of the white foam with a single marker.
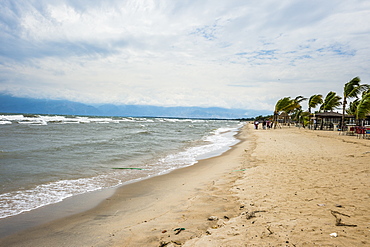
(218, 142)
(16, 202)
(5, 122)
(46, 119)
(11, 117)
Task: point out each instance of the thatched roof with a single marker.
(284, 114)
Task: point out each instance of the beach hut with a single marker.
(331, 120)
(284, 118)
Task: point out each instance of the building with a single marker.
(330, 120)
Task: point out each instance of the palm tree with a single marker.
(331, 102)
(287, 105)
(300, 116)
(314, 101)
(351, 90)
(352, 109)
(280, 106)
(298, 108)
(363, 106)
(298, 101)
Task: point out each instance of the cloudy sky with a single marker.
(225, 53)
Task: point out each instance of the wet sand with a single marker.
(283, 187)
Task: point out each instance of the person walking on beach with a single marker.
(268, 124)
(256, 125)
(264, 124)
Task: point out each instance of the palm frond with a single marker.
(352, 88)
(314, 101)
(331, 102)
(352, 110)
(363, 107)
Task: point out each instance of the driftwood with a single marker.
(338, 220)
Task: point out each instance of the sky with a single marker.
(215, 53)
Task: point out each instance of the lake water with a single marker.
(46, 159)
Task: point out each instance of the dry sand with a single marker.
(283, 187)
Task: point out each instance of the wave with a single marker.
(212, 144)
(45, 119)
(5, 122)
(26, 200)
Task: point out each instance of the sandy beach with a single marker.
(282, 187)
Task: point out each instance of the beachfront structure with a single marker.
(284, 118)
(332, 121)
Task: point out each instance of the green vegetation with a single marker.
(359, 107)
(331, 102)
(314, 101)
(351, 90)
(363, 107)
(289, 106)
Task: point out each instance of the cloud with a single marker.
(182, 53)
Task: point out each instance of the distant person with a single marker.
(264, 124)
(256, 125)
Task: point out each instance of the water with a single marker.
(46, 159)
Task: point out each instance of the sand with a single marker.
(283, 187)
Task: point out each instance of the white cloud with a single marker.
(186, 53)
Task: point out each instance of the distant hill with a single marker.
(9, 104)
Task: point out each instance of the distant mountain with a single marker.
(9, 104)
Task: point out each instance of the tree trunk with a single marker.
(343, 113)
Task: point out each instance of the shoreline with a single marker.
(276, 187)
(78, 204)
(302, 188)
(39, 216)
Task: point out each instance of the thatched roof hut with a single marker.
(283, 118)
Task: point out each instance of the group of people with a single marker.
(265, 124)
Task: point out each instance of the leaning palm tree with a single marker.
(352, 109)
(351, 90)
(314, 101)
(363, 106)
(298, 101)
(331, 102)
(280, 106)
(287, 105)
(297, 111)
(300, 116)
